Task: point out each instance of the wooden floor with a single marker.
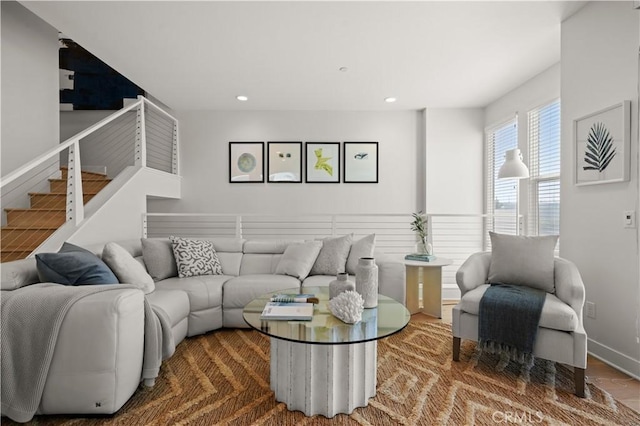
(622, 387)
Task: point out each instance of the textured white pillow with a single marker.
(195, 257)
(298, 259)
(127, 268)
(333, 256)
(521, 260)
(362, 248)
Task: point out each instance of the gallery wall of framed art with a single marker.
(320, 162)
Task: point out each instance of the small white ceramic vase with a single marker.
(340, 285)
(367, 281)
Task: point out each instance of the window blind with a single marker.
(501, 195)
(544, 169)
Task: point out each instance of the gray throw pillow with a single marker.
(521, 260)
(298, 259)
(195, 257)
(127, 268)
(159, 259)
(362, 248)
(333, 256)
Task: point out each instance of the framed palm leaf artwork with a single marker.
(602, 143)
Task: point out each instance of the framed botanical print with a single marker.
(322, 162)
(246, 162)
(602, 143)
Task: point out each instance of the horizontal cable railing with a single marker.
(51, 189)
(454, 237)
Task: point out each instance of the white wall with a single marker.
(30, 95)
(454, 161)
(204, 158)
(599, 69)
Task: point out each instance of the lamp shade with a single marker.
(513, 167)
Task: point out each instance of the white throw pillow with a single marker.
(521, 260)
(195, 257)
(362, 248)
(127, 268)
(333, 256)
(298, 259)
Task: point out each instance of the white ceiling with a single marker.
(287, 55)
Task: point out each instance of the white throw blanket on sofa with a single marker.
(30, 322)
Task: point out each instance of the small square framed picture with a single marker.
(246, 162)
(284, 162)
(360, 162)
(322, 161)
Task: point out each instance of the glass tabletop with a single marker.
(387, 318)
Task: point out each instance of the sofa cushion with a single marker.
(241, 290)
(521, 260)
(204, 291)
(364, 247)
(158, 257)
(195, 257)
(298, 259)
(127, 268)
(18, 273)
(73, 265)
(174, 304)
(556, 314)
(333, 256)
(320, 280)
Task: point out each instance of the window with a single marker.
(501, 195)
(544, 170)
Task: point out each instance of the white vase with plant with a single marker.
(419, 226)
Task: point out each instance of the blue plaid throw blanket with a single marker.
(508, 326)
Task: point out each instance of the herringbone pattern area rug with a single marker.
(223, 378)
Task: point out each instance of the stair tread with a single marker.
(28, 228)
(86, 172)
(63, 193)
(83, 180)
(59, 209)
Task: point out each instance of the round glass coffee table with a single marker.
(325, 366)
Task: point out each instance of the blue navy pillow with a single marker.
(73, 265)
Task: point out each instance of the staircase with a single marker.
(27, 228)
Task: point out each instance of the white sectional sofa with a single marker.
(97, 362)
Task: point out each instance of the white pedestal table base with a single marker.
(323, 379)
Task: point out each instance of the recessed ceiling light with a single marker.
(242, 98)
(343, 69)
(390, 100)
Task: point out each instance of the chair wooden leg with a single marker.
(456, 348)
(578, 377)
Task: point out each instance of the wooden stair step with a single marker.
(90, 185)
(9, 255)
(54, 200)
(36, 217)
(85, 174)
(25, 239)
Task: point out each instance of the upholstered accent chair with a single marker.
(561, 336)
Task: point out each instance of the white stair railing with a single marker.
(141, 134)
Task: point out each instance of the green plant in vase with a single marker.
(419, 226)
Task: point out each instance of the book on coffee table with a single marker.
(287, 311)
(294, 298)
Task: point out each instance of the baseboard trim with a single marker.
(615, 359)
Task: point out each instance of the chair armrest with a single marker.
(473, 272)
(569, 285)
(391, 277)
